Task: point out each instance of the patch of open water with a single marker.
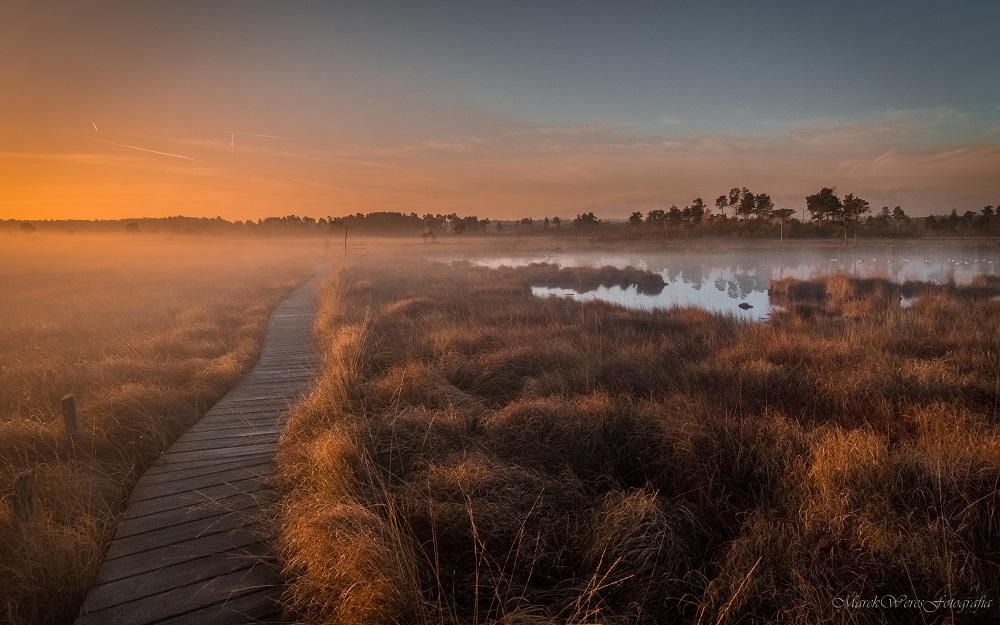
(737, 283)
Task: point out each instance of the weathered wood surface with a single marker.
(194, 544)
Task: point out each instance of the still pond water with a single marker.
(721, 282)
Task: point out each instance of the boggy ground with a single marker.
(148, 332)
(473, 454)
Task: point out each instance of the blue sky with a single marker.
(494, 108)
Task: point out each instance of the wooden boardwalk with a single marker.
(193, 546)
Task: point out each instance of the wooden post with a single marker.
(69, 414)
(24, 495)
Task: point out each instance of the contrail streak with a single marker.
(122, 145)
(254, 134)
(889, 152)
(94, 125)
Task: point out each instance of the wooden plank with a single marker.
(239, 440)
(234, 432)
(169, 471)
(142, 561)
(224, 410)
(165, 536)
(274, 381)
(238, 416)
(289, 372)
(274, 401)
(165, 468)
(249, 413)
(234, 423)
(189, 496)
(187, 598)
(283, 363)
(250, 418)
(258, 607)
(203, 510)
(265, 468)
(237, 423)
(277, 383)
(264, 398)
(268, 397)
(277, 404)
(233, 452)
(260, 396)
(265, 392)
(263, 387)
(166, 577)
(257, 378)
(276, 375)
(252, 391)
(274, 368)
(280, 384)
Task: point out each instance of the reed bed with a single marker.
(148, 333)
(473, 454)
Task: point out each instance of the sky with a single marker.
(247, 109)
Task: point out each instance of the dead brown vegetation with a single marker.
(473, 454)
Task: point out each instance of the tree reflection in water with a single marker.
(741, 285)
(741, 276)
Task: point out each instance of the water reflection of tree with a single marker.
(741, 285)
(689, 274)
(740, 275)
(695, 278)
(585, 279)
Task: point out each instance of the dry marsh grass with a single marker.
(148, 333)
(473, 454)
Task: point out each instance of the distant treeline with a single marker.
(738, 214)
(387, 223)
(217, 226)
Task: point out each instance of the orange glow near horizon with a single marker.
(122, 178)
(250, 110)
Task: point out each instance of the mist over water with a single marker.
(736, 282)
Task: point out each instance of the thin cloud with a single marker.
(948, 154)
(318, 184)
